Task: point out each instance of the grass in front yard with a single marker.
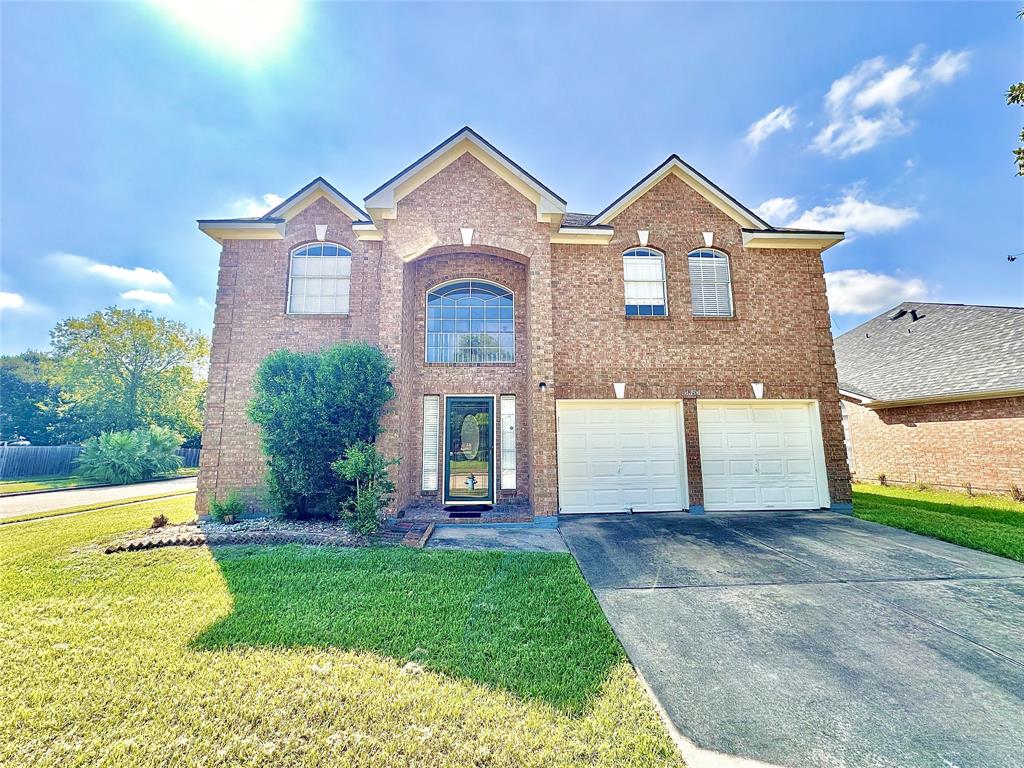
(292, 656)
(989, 523)
(59, 482)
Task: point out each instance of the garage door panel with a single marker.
(760, 455)
(631, 453)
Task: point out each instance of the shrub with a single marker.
(230, 508)
(119, 458)
(159, 521)
(882, 479)
(1016, 493)
(311, 408)
(367, 469)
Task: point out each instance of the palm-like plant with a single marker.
(119, 458)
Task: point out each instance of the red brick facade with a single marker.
(571, 332)
(980, 442)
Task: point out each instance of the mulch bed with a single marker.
(271, 531)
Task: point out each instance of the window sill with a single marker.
(713, 318)
(647, 317)
(317, 314)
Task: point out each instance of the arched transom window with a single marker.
(318, 280)
(470, 321)
(710, 283)
(643, 270)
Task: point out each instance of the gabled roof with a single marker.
(950, 352)
(272, 223)
(383, 201)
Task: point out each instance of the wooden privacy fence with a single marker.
(40, 460)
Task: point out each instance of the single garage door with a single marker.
(761, 454)
(617, 455)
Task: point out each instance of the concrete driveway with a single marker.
(815, 639)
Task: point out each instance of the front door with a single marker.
(469, 450)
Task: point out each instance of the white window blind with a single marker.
(431, 435)
(508, 442)
(318, 280)
(643, 271)
(710, 284)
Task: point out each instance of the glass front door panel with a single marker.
(469, 443)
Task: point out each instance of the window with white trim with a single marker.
(508, 442)
(470, 322)
(643, 270)
(431, 440)
(318, 279)
(710, 283)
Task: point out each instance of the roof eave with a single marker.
(774, 238)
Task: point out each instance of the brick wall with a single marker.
(779, 335)
(250, 322)
(980, 442)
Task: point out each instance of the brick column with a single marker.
(542, 442)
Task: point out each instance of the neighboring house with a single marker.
(934, 393)
(670, 352)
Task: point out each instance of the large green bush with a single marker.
(311, 408)
(129, 457)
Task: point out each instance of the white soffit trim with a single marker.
(383, 202)
(582, 236)
(242, 230)
(707, 190)
(770, 239)
(956, 397)
(367, 231)
(309, 194)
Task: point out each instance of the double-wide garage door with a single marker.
(621, 455)
(761, 454)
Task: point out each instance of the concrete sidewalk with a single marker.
(12, 506)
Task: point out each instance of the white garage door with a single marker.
(617, 455)
(761, 454)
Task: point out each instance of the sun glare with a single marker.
(247, 29)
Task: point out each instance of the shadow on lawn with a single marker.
(967, 508)
(523, 622)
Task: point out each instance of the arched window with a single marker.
(643, 270)
(318, 279)
(470, 321)
(710, 283)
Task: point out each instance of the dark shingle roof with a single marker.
(576, 219)
(951, 349)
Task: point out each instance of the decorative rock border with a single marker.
(270, 532)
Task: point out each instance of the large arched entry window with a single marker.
(470, 322)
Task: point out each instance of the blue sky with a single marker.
(124, 122)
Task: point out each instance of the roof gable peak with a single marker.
(383, 201)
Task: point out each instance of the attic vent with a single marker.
(915, 316)
(898, 315)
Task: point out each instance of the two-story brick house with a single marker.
(670, 352)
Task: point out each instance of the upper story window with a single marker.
(318, 279)
(710, 283)
(644, 272)
(470, 321)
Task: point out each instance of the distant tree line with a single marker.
(113, 370)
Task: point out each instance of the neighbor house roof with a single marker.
(926, 351)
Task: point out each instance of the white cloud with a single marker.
(862, 105)
(137, 277)
(249, 206)
(779, 119)
(777, 209)
(948, 66)
(9, 300)
(148, 297)
(859, 292)
(855, 217)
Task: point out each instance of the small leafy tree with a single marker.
(367, 469)
(311, 408)
(119, 458)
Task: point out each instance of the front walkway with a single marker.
(815, 639)
(12, 506)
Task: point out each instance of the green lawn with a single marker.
(54, 483)
(990, 523)
(292, 656)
